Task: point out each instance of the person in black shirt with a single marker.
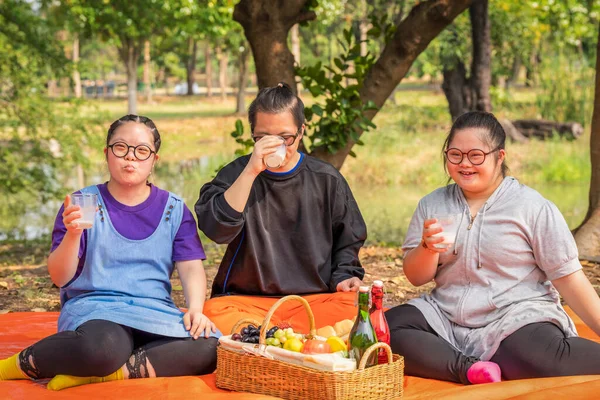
(294, 229)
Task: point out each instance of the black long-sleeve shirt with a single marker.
(299, 233)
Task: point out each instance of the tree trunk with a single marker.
(147, 81)
(129, 51)
(52, 88)
(208, 60)
(295, 39)
(80, 176)
(363, 27)
(191, 65)
(457, 90)
(543, 129)
(166, 82)
(242, 80)
(295, 36)
(588, 234)
(76, 74)
(266, 25)
(223, 58)
(514, 74)
(481, 71)
(511, 132)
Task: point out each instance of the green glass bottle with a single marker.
(362, 336)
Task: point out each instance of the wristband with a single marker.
(424, 245)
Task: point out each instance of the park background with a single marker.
(382, 81)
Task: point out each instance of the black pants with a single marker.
(99, 348)
(534, 351)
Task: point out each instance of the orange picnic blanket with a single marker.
(19, 330)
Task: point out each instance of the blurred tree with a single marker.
(39, 139)
(127, 24)
(587, 235)
(198, 21)
(266, 25)
(471, 93)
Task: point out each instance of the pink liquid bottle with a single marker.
(382, 330)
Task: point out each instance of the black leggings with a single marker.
(534, 351)
(99, 348)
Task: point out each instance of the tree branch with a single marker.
(424, 22)
(305, 16)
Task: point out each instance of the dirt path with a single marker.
(26, 286)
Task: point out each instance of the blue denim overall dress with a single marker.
(126, 281)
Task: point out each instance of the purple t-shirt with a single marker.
(139, 222)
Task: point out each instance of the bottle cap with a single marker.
(378, 283)
(363, 289)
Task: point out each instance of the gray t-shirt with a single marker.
(496, 279)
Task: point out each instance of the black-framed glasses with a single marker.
(475, 156)
(287, 138)
(142, 152)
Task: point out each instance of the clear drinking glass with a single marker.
(88, 203)
(275, 160)
(449, 224)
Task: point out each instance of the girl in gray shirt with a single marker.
(495, 310)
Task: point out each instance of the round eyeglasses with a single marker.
(287, 139)
(475, 156)
(141, 151)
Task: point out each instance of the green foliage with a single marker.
(39, 139)
(238, 134)
(571, 23)
(446, 50)
(341, 115)
(566, 90)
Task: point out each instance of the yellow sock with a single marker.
(60, 382)
(9, 369)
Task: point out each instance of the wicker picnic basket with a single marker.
(256, 374)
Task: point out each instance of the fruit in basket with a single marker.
(293, 344)
(284, 325)
(248, 334)
(237, 337)
(279, 333)
(315, 346)
(336, 344)
(271, 332)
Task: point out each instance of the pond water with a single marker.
(386, 209)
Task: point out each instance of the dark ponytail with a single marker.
(275, 100)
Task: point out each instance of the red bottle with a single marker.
(382, 330)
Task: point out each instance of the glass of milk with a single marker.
(449, 224)
(275, 160)
(88, 203)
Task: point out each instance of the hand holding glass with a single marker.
(449, 224)
(88, 203)
(275, 160)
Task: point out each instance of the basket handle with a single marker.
(242, 322)
(311, 318)
(371, 349)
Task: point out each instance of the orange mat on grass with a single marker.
(19, 330)
(327, 308)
